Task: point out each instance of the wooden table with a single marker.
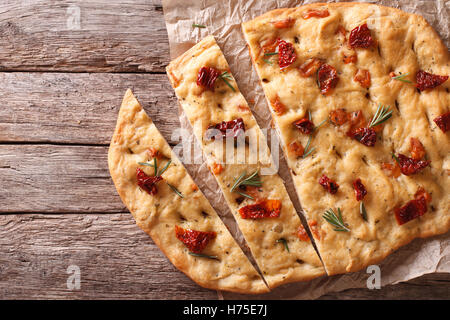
(62, 85)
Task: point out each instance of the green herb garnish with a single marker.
(194, 25)
(284, 242)
(252, 180)
(225, 77)
(146, 164)
(201, 255)
(175, 190)
(308, 151)
(336, 220)
(270, 53)
(401, 78)
(381, 115)
(362, 211)
(395, 158)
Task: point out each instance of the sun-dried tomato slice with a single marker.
(391, 170)
(363, 77)
(282, 24)
(194, 240)
(409, 166)
(416, 148)
(147, 183)
(262, 209)
(327, 77)
(207, 77)
(360, 189)
(304, 125)
(360, 37)
(278, 106)
(350, 59)
(314, 228)
(302, 234)
(443, 121)
(414, 208)
(286, 54)
(425, 80)
(217, 168)
(296, 149)
(330, 185)
(357, 120)
(226, 129)
(367, 136)
(268, 46)
(154, 153)
(339, 117)
(309, 67)
(315, 13)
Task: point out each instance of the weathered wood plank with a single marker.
(78, 108)
(83, 36)
(116, 259)
(54, 178)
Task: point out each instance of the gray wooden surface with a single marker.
(61, 89)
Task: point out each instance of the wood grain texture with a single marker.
(78, 108)
(112, 36)
(54, 178)
(115, 257)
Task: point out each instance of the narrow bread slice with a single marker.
(176, 202)
(212, 101)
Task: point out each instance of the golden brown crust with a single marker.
(405, 43)
(203, 108)
(158, 215)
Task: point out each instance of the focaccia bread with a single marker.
(360, 97)
(261, 206)
(168, 206)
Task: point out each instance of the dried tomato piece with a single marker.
(416, 148)
(409, 166)
(269, 46)
(330, 185)
(282, 24)
(315, 13)
(350, 59)
(443, 121)
(207, 77)
(425, 80)
(367, 136)
(262, 209)
(147, 183)
(286, 54)
(304, 125)
(154, 153)
(357, 120)
(363, 77)
(414, 208)
(327, 77)
(360, 37)
(194, 240)
(226, 129)
(217, 168)
(360, 189)
(296, 149)
(302, 234)
(339, 117)
(391, 170)
(309, 67)
(278, 106)
(314, 228)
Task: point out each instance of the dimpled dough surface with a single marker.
(405, 43)
(204, 108)
(158, 215)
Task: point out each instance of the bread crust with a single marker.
(405, 43)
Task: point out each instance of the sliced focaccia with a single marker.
(360, 97)
(168, 206)
(225, 126)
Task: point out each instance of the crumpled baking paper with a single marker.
(222, 19)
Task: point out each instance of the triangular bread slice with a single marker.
(158, 214)
(280, 253)
(378, 54)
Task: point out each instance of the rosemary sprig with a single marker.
(225, 77)
(308, 151)
(146, 164)
(284, 242)
(336, 220)
(362, 211)
(194, 25)
(395, 158)
(270, 53)
(175, 190)
(201, 255)
(320, 124)
(381, 115)
(401, 78)
(251, 180)
(165, 168)
(155, 165)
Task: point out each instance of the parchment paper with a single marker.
(223, 19)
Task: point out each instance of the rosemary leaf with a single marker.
(308, 151)
(155, 165)
(245, 195)
(362, 211)
(320, 124)
(395, 158)
(175, 190)
(225, 77)
(284, 241)
(201, 255)
(165, 167)
(381, 115)
(252, 180)
(335, 220)
(401, 78)
(145, 164)
(270, 53)
(198, 26)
